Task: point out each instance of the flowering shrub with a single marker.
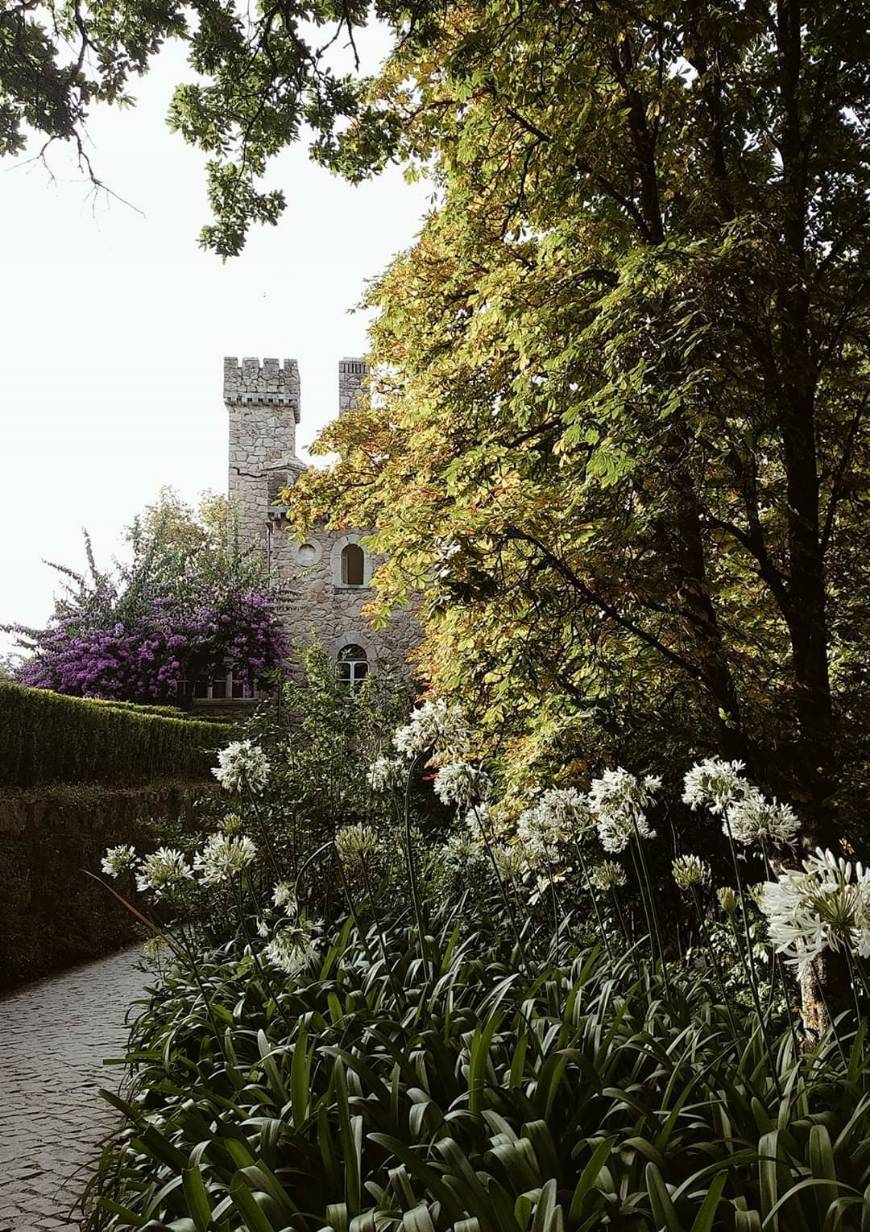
(333, 1054)
(146, 658)
(184, 606)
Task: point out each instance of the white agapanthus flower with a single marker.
(284, 896)
(355, 844)
(154, 948)
(118, 860)
(618, 800)
(728, 899)
(713, 784)
(242, 766)
(824, 907)
(162, 872)
(560, 814)
(509, 860)
(538, 830)
(224, 857)
(462, 784)
(462, 850)
(607, 875)
(479, 821)
(434, 724)
(569, 809)
(690, 871)
(749, 816)
(290, 950)
(754, 819)
(386, 773)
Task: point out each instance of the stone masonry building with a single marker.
(326, 578)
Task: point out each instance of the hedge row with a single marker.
(168, 712)
(49, 738)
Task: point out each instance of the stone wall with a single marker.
(52, 914)
(318, 604)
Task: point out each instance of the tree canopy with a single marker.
(261, 75)
(619, 442)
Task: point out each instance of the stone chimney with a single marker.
(351, 376)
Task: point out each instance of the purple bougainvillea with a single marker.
(184, 607)
(168, 641)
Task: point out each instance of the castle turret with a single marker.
(262, 401)
(351, 375)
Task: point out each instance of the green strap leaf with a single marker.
(196, 1197)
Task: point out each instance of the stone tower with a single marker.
(325, 577)
(262, 402)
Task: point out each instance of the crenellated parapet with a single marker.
(267, 383)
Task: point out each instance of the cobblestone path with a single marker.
(54, 1036)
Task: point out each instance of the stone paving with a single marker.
(54, 1036)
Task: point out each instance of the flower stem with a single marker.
(594, 897)
(412, 872)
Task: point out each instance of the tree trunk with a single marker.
(683, 544)
(798, 376)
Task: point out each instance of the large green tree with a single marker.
(621, 446)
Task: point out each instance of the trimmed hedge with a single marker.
(50, 738)
(168, 712)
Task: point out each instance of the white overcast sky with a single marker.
(114, 324)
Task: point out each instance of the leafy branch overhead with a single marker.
(260, 77)
(626, 359)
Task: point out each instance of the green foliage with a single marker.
(322, 737)
(572, 1097)
(57, 60)
(620, 445)
(49, 738)
(626, 359)
(167, 712)
(261, 74)
(358, 1025)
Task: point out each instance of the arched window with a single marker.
(353, 665)
(353, 565)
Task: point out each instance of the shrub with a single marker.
(49, 738)
(487, 1039)
(576, 1096)
(168, 712)
(186, 604)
